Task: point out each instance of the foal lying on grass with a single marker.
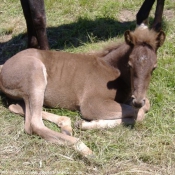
(109, 87)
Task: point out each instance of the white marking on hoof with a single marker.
(82, 148)
(99, 124)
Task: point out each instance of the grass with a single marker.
(83, 26)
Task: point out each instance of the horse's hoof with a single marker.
(66, 130)
(83, 149)
(17, 109)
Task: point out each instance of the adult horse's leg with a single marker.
(34, 13)
(144, 11)
(32, 39)
(157, 23)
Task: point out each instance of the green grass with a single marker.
(83, 26)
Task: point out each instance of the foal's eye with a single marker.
(129, 64)
(155, 66)
(153, 69)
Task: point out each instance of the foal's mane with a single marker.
(108, 49)
(146, 36)
(141, 37)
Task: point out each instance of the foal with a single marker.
(109, 87)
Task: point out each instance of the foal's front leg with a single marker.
(101, 113)
(102, 124)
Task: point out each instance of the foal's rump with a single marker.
(17, 72)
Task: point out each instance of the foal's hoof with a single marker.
(17, 109)
(83, 149)
(66, 130)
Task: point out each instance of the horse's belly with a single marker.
(60, 99)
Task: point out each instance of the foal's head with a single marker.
(142, 60)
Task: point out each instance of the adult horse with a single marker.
(144, 11)
(35, 16)
(34, 13)
(109, 87)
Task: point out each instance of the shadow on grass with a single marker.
(70, 35)
(85, 31)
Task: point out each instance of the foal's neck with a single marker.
(118, 58)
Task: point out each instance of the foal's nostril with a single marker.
(138, 103)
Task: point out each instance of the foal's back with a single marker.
(71, 78)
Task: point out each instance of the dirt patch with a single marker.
(168, 14)
(126, 15)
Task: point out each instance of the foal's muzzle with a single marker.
(138, 103)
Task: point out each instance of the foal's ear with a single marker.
(160, 38)
(129, 38)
